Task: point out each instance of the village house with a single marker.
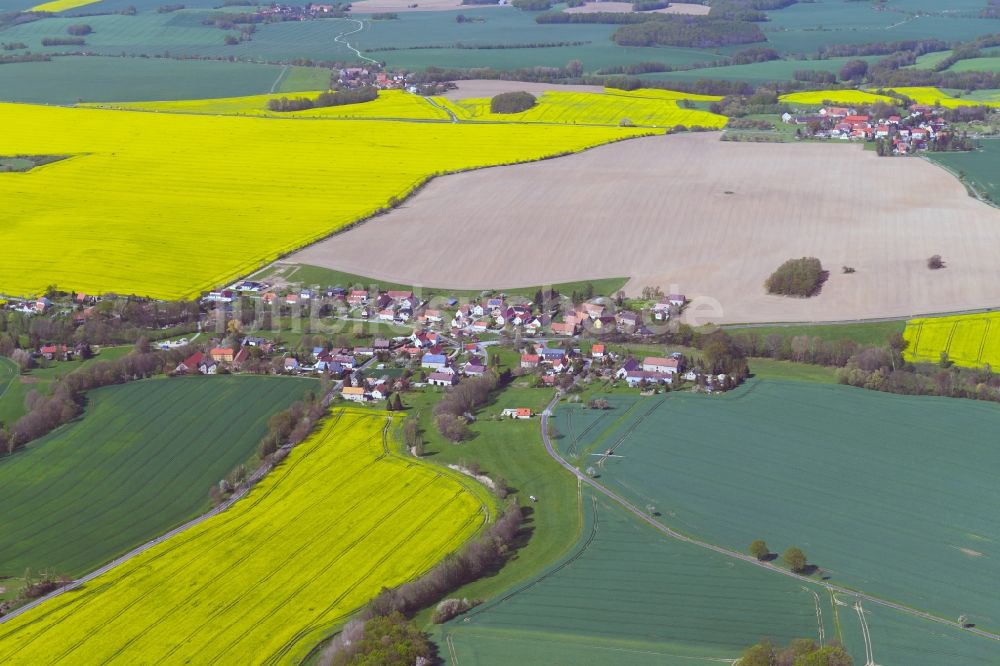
(516, 413)
(222, 354)
(658, 364)
(56, 352)
(677, 300)
(474, 370)
(354, 393)
(597, 351)
(530, 361)
(434, 361)
(636, 377)
(442, 379)
(563, 328)
(291, 364)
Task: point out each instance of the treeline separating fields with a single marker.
(889, 494)
(971, 341)
(150, 181)
(388, 104)
(140, 460)
(590, 108)
(265, 580)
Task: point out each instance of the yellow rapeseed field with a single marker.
(935, 97)
(61, 5)
(658, 93)
(816, 97)
(266, 580)
(390, 104)
(971, 340)
(169, 205)
(589, 109)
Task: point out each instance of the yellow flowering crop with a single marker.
(390, 104)
(836, 97)
(971, 340)
(933, 96)
(61, 5)
(659, 93)
(169, 205)
(573, 108)
(266, 580)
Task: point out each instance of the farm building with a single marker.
(434, 361)
(516, 413)
(354, 393)
(442, 379)
(657, 364)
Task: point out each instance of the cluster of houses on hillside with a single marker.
(905, 134)
(490, 313)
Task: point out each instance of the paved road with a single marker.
(641, 515)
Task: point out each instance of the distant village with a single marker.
(900, 135)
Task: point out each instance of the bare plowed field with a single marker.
(691, 213)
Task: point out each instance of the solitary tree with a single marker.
(759, 549)
(935, 262)
(795, 559)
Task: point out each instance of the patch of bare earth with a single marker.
(691, 213)
(626, 8)
(488, 88)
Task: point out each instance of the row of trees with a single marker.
(338, 98)
(453, 410)
(65, 400)
(800, 652)
(482, 557)
(291, 425)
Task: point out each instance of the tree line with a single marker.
(337, 98)
(66, 398)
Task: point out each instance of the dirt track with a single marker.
(691, 213)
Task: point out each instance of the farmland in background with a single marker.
(819, 97)
(970, 340)
(726, 469)
(627, 595)
(390, 104)
(140, 461)
(589, 108)
(755, 73)
(980, 169)
(152, 179)
(70, 79)
(268, 578)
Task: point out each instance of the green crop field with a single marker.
(980, 168)
(140, 461)
(628, 595)
(66, 80)
(890, 494)
(12, 396)
(760, 72)
(875, 333)
(968, 340)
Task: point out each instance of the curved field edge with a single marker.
(269, 578)
(626, 593)
(153, 179)
(139, 462)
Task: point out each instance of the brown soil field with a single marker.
(489, 88)
(626, 8)
(694, 214)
